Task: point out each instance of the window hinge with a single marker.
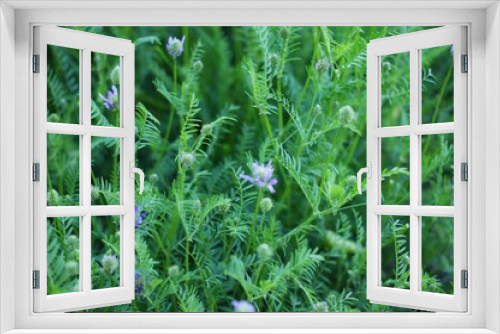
(36, 172)
(36, 63)
(36, 279)
(464, 171)
(465, 64)
(465, 279)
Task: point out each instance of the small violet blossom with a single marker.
(139, 283)
(175, 46)
(139, 216)
(242, 306)
(110, 102)
(262, 176)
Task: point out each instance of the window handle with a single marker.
(139, 171)
(368, 171)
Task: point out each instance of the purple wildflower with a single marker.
(175, 46)
(139, 283)
(242, 306)
(111, 101)
(139, 216)
(262, 176)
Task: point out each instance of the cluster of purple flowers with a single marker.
(175, 46)
(111, 101)
(242, 306)
(140, 215)
(262, 176)
(139, 283)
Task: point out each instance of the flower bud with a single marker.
(264, 251)
(347, 115)
(266, 204)
(224, 206)
(207, 129)
(109, 263)
(274, 59)
(153, 178)
(173, 270)
(323, 65)
(52, 197)
(351, 181)
(115, 75)
(320, 307)
(198, 66)
(196, 205)
(72, 267)
(73, 240)
(317, 109)
(187, 159)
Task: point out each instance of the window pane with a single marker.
(437, 84)
(105, 89)
(395, 166)
(395, 271)
(105, 171)
(437, 169)
(395, 90)
(105, 252)
(437, 261)
(63, 255)
(63, 85)
(63, 170)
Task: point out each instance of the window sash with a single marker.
(86, 43)
(413, 43)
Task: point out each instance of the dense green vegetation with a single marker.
(215, 223)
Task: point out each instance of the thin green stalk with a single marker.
(172, 108)
(254, 221)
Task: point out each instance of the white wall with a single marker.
(492, 165)
(7, 161)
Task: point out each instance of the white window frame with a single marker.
(85, 43)
(413, 43)
(483, 102)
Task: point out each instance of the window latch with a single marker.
(465, 279)
(134, 170)
(368, 171)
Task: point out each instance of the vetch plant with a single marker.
(286, 234)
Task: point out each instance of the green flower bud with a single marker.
(224, 206)
(73, 240)
(323, 65)
(52, 197)
(347, 115)
(274, 59)
(198, 66)
(317, 109)
(285, 32)
(54, 118)
(153, 178)
(115, 75)
(187, 159)
(264, 251)
(173, 270)
(207, 129)
(351, 181)
(266, 204)
(94, 192)
(72, 267)
(196, 205)
(109, 263)
(320, 307)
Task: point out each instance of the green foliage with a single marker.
(235, 96)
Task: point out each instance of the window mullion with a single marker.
(85, 186)
(414, 171)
